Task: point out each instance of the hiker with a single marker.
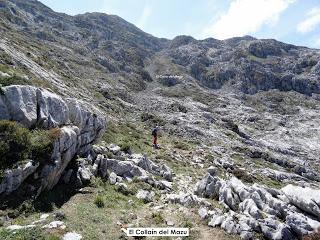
(155, 137)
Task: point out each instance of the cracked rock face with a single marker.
(13, 178)
(134, 165)
(79, 125)
(286, 214)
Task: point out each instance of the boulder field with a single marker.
(287, 213)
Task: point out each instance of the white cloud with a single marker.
(312, 20)
(245, 17)
(147, 11)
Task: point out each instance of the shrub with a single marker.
(99, 201)
(178, 107)
(146, 117)
(18, 143)
(125, 147)
(14, 143)
(13, 80)
(187, 224)
(145, 75)
(181, 145)
(151, 118)
(42, 144)
(157, 217)
(243, 175)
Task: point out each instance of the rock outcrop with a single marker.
(288, 213)
(80, 126)
(146, 196)
(13, 178)
(125, 167)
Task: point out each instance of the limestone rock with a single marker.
(151, 167)
(54, 225)
(124, 168)
(4, 111)
(72, 236)
(13, 178)
(146, 196)
(114, 148)
(35, 106)
(248, 206)
(209, 186)
(22, 104)
(304, 198)
(85, 175)
(203, 213)
(67, 176)
(302, 225)
(18, 227)
(112, 178)
(53, 111)
(259, 209)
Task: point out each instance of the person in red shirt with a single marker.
(155, 137)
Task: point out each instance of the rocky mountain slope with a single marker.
(239, 120)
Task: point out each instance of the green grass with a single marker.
(110, 194)
(243, 175)
(99, 201)
(187, 224)
(152, 119)
(181, 145)
(85, 218)
(13, 80)
(254, 58)
(136, 185)
(27, 234)
(174, 92)
(269, 182)
(129, 137)
(157, 218)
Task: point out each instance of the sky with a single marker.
(290, 21)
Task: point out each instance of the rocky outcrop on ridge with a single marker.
(79, 127)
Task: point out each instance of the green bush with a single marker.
(146, 117)
(145, 75)
(152, 119)
(42, 144)
(181, 145)
(243, 175)
(13, 80)
(125, 147)
(99, 201)
(14, 143)
(18, 143)
(187, 224)
(178, 107)
(157, 217)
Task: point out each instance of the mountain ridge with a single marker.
(113, 43)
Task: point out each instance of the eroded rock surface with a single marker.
(79, 126)
(288, 213)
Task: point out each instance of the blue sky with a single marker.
(291, 21)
